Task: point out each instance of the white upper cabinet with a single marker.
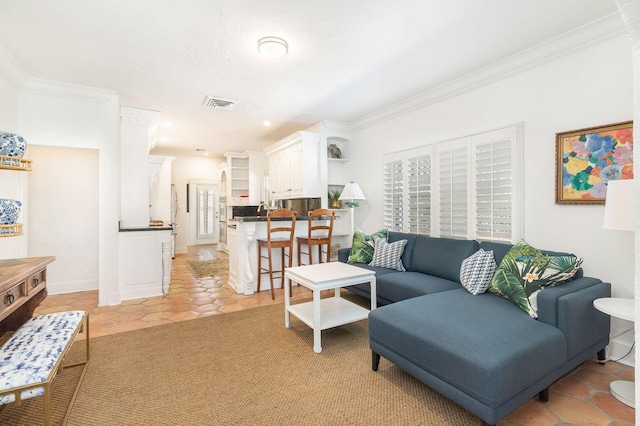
(244, 179)
(295, 167)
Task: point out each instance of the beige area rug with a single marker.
(208, 268)
(241, 368)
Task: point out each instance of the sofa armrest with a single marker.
(569, 307)
(343, 254)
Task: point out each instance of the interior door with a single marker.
(207, 226)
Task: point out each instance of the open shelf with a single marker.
(11, 230)
(15, 163)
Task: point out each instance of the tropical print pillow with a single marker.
(525, 271)
(362, 247)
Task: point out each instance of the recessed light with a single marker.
(206, 154)
(266, 123)
(273, 47)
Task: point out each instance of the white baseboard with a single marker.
(181, 250)
(71, 286)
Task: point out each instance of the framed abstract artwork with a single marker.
(586, 159)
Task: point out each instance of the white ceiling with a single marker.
(347, 58)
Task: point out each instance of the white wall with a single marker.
(183, 169)
(63, 216)
(588, 88)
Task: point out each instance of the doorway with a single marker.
(206, 214)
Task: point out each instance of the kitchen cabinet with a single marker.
(244, 178)
(295, 167)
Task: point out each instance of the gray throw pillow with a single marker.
(477, 271)
(387, 255)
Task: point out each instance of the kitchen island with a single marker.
(243, 252)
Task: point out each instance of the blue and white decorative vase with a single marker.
(12, 145)
(9, 211)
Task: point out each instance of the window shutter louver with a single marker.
(494, 190)
(419, 179)
(393, 195)
(453, 212)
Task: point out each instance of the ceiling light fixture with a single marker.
(273, 47)
(267, 123)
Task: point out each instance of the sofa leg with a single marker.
(544, 395)
(602, 356)
(375, 361)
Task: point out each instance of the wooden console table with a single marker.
(23, 286)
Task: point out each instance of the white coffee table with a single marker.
(622, 390)
(321, 314)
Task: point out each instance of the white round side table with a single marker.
(622, 390)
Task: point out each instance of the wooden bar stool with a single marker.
(318, 234)
(277, 237)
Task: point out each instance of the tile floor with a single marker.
(580, 398)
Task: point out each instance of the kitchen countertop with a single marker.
(146, 228)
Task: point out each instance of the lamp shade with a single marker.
(352, 191)
(619, 208)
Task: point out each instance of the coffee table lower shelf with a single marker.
(335, 311)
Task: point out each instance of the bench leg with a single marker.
(47, 404)
(85, 364)
(375, 361)
(602, 356)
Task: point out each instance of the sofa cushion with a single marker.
(393, 286)
(387, 255)
(477, 271)
(441, 257)
(490, 349)
(525, 271)
(362, 245)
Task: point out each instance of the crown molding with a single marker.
(20, 80)
(37, 86)
(594, 33)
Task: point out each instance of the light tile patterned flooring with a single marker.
(580, 398)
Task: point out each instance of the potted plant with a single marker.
(334, 201)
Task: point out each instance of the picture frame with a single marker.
(586, 159)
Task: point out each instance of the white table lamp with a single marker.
(352, 192)
(619, 211)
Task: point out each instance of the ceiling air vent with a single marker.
(212, 102)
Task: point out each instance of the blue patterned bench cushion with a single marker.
(28, 357)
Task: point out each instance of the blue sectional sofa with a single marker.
(483, 352)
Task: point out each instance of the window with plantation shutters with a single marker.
(465, 188)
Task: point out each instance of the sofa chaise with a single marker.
(481, 351)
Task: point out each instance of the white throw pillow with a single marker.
(387, 255)
(477, 271)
